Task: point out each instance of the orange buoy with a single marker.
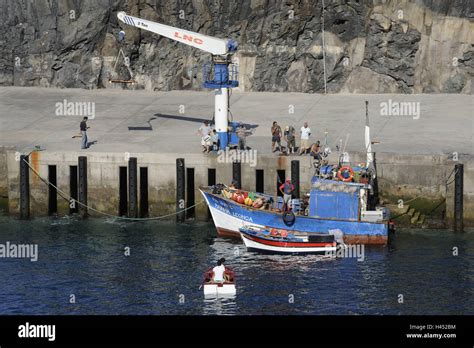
(240, 198)
(345, 169)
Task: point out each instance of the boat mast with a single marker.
(324, 52)
(368, 142)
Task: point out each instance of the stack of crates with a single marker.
(295, 205)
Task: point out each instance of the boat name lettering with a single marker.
(221, 207)
(242, 217)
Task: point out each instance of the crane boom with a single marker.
(216, 78)
(206, 43)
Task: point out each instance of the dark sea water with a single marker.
(164, 270)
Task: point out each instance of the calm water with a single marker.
(86, 258)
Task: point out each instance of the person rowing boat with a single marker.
(219, 271)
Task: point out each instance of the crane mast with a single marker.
(219, 77)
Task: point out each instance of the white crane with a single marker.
(218, 77)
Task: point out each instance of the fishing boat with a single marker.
(340, 198)
(284, 241)
(331, 207)
(219, 289)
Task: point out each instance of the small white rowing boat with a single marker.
(219, 289)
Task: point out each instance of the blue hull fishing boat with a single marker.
(328, 211)
(340, 200)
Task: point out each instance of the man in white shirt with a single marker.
(219, 271)
(305, 134)
(204, 131)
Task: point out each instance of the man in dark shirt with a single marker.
(276, 136)
(84, 128)
(241, 132)
(287, 188)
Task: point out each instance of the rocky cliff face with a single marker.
(416, 46)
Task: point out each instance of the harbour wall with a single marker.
(420, 180)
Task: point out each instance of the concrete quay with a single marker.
(166, 122)
(414, 156)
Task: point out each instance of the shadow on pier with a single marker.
(149, 126)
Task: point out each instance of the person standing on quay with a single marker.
(276, 136)
(305, 133)
(84, 128)
(289, 136)
(241, 132)
(287, 188)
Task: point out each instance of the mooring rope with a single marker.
(69, 198)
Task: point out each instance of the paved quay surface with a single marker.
(133, 121)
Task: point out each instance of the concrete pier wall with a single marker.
(418, 179)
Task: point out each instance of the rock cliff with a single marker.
(417, 46)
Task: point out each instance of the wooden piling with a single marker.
(295, 177)
(82, 169)
(237, 174)
(458, 197)
(180, 189)
(132, 188)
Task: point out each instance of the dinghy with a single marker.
(272, 240)
(219, 289)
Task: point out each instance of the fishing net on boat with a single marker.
(334, 187)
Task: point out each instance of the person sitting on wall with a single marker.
(208, 142)
(234, 185)
(215, 140)
(314, 150)
(204, 131)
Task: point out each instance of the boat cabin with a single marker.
(330, 199)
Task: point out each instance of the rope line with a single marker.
(69, 198)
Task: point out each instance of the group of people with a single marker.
(209, 138)
(289, 136)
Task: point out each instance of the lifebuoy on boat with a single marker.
(345, 169)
